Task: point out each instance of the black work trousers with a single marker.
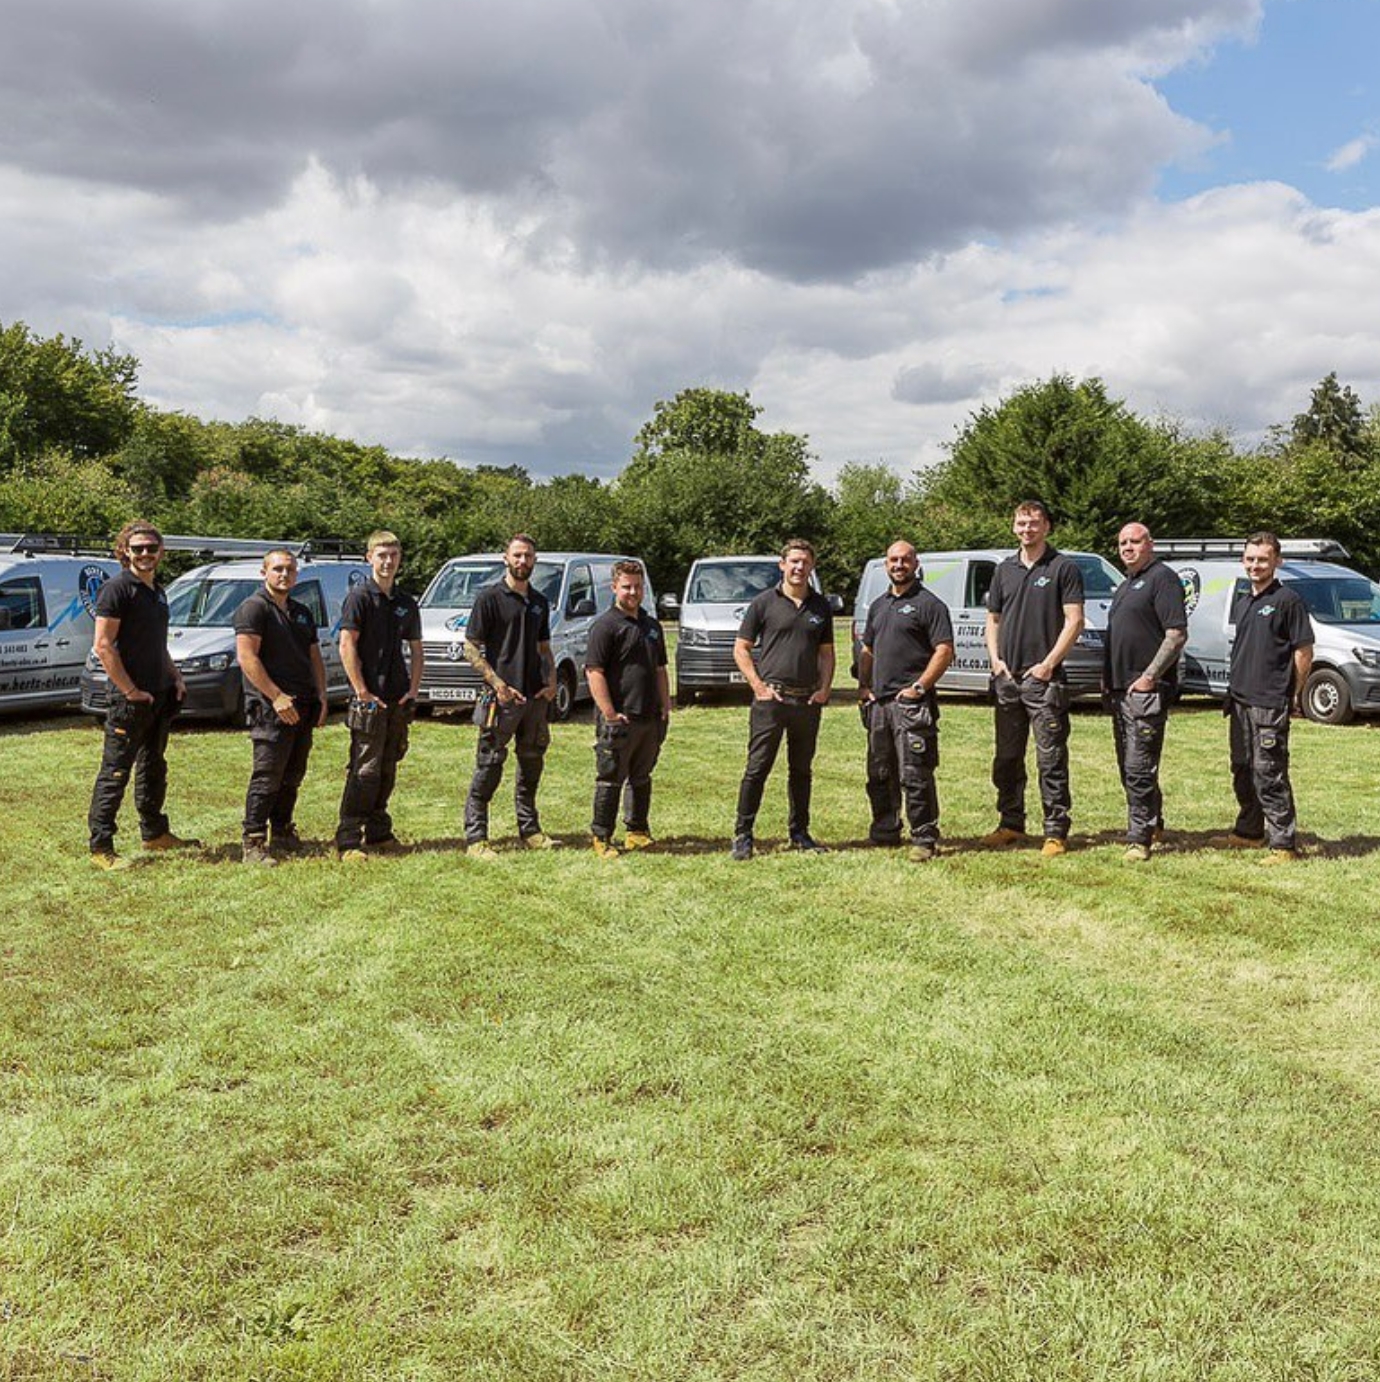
(1260, 774)
(1138, 723)
(1044, 707)
(136, 744)
(769, 721)
(527, 728)
(279, 765)
(902, 755)
(378, 743)
(624, 756)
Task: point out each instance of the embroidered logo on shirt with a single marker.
(1041, 581)
(1138, 585)
(815, 619)
(1264, 610)
(907, 609)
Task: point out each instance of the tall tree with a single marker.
(1334, 419)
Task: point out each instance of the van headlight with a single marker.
(694, 638)
(1367, 657)
(1091, 638)
(212, 662)
(93, 663)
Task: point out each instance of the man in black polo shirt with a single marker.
(626, 667)
(1034, 617)
(792, 627)
(377, 623)
(1147, 628)
(146, 689)
(1270, 662)
(508, 642)
(907, 645)
(285, 699)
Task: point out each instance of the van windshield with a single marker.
(1100, 578)
(201, 604)
(731, 582)
(457, 586)
(1341, 599)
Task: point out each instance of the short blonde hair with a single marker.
(380, 537)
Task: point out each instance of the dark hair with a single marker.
(139, 527)
(520, 537)
(799, 544)
(1264, 539)
(1036, 506)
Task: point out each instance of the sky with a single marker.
(501, 234)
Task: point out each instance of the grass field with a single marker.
(671, 1117)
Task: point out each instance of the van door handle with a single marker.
(64, 642)
(38, 646)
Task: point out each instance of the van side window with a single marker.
(309, 593)
(980, 575)
(1242, 584)
(581, 586)
(21, 604)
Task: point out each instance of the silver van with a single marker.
(577, 585)
(962, 580)
(1343, 604)
(201, 633)
(48, 588)
(718, 591)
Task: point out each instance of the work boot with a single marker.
(921, 854)
(605, 849)
(481, 849)
(637, 839)
(1235, 841)
(742, 847)
(256, 852)
(1003, 837)
(806, 843)
(167, 840)
(288, 841)
(540, 841)
(390, 845)
(1136, 854)
(109, 862)
(354, 855)
(1280, 856)
(1053, 847)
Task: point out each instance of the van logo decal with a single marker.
(1193, 588)
(89, 583)
(456, 622)
(356, 578)
(455, 652)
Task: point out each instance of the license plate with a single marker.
(455, 693)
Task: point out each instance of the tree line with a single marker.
(80, 452)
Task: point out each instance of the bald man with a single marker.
(1147, 628)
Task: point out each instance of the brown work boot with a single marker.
(1234, 841)
(256, 852)
(167, 840)
(1003, 837)
(1053, 847)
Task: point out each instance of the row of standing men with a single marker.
(785, 652)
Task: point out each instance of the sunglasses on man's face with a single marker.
(144, 549)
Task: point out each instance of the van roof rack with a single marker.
(246, 548)
(1299, 548)
(64, 544)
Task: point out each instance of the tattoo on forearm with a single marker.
(475, 658)
(1165, 655)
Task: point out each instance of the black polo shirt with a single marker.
(286, 638)
(142, 638)
(509, 627)
(384, 624)
(1269, 626)
(790, 637)
(1030, 601)
(901, 633)
(1144, 607)
(629, 649)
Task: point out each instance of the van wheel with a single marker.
(1327, 698)
(564, 703)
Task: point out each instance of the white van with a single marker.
(1343, 604)
(577, 585)
(48, 588)
(718, 591)
(201, 633)
(962, 580)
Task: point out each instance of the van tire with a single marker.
(564, 704)
(1327, 698)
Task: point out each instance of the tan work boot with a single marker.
(109, 862)
(167, 840)
(637, 839)
(1053, 847)
(605, 849)
(1003, 837)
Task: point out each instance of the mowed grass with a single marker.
(672, 1117)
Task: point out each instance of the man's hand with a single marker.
(548, 692)
(506, 694)
(1041, 671)
(909, 694)
(999, 668)
(1143, 684)
(179, 688)
(286, 708)
(821, 697)
(763, 692)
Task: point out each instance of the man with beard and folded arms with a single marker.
(285, 695)
(907, 645)
(508, 642)
(793, 627)
(1147, 628)
(1034, 617)
(381, 649)
(146, 689)
(626, 667)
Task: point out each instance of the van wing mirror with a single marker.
(582, 608)
(835, 603)
(668, 604)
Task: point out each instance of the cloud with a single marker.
(1351, 153)
(818, 140)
